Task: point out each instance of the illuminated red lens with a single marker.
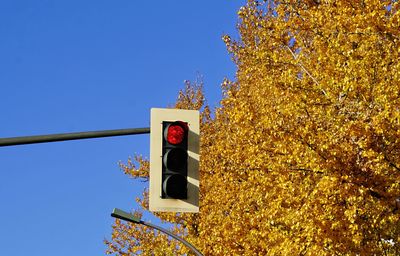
(176, 134)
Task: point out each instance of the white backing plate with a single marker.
(156, 203)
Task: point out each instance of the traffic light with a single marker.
(174, 160)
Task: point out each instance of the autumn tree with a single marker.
(302, 156)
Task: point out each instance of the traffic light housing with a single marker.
(174, 160)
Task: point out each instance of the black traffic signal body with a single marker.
(174, 160)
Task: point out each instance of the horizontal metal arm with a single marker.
(70, 136)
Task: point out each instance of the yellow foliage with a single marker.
(303, 155)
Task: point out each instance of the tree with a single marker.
(303, 155)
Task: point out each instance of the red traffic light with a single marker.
(176, 133)
(174, 160)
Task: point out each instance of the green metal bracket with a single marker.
(120, 214)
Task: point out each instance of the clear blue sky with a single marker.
(68, 66)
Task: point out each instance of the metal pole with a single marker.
(70, 136)
(117, 213)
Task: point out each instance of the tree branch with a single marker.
(304, 69)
